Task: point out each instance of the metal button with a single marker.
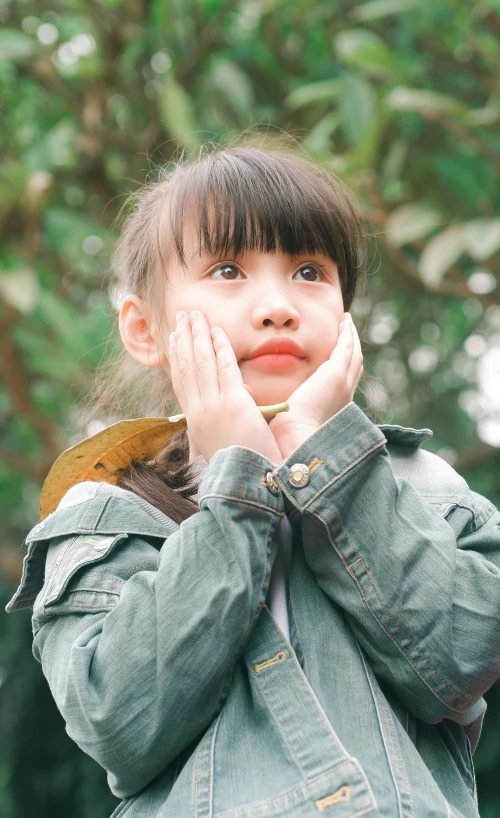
(298, 475)
(272, 483)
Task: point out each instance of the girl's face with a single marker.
(258, 297)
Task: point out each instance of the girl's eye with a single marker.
(226, 271)
(230, 271)
(312, 269)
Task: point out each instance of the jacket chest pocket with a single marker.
(76, 577)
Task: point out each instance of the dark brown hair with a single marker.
(243, 199)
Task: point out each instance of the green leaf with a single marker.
(423, 101)
(15, 45)
(20, 289)
(321, 91)
(482, 238)
(410, 222)
(177, 111)
(357, 106)
(44, 357)
(233, 83)
(13, 177)
(60, 144)
(318, 139)
(66, 231)
(65, 322)
(439, 254)
(364, 49)
(383, 8)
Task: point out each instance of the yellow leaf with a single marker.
(104, 456)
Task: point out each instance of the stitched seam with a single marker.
(474, 793)
(211, 768)
(410, 661)
(93, 591)
(363, 456)
(403, 768)
(300, 788)
(243, 502)
(267, 576)
(135, 500)
(315, 700)
(56, 567)
(102, 501)
(398, 750)
(279, 722)
(97, 609)
(196, 785)
(470, 775)
(76, 567)
(379, 718)
(467, 701)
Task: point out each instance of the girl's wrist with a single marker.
(291, 437)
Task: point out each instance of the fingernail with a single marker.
(180, 316)
(195, 315)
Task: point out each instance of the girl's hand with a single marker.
(209, 387)
(323, 394)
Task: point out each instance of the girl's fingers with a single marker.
(175, 374)
(344, 347)
(186, 373)
(227, 365)
(205, 362)
(355, 367)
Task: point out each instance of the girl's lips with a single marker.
(273, 360)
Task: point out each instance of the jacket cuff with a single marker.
(335, 448)
(238, 473)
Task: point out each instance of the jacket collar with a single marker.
(75, 514)
(104, 514)
(404, 435)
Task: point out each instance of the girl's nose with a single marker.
(280, 314)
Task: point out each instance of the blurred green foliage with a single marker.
(399, 97)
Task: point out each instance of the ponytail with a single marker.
(168, 482)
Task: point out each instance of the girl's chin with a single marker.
(270, 396)
(269, 388)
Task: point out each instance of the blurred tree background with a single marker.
(401, 98)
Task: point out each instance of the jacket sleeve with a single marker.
(137, 681)
(418, 577)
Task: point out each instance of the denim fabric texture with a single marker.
(170, 671)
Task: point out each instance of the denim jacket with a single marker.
(170, 671)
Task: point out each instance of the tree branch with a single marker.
(18, 384)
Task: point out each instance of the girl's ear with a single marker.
(134, 324)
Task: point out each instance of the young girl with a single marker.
(280, 614)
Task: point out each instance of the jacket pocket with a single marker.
(75, 579)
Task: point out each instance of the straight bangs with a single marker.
(245, 200)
